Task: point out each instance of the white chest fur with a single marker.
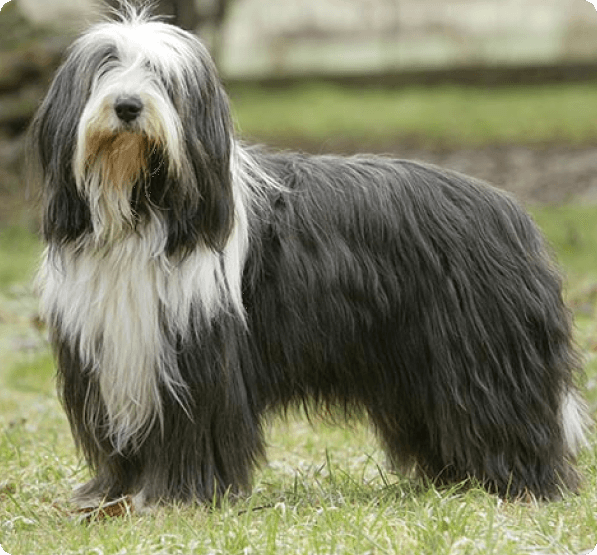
(120, 306)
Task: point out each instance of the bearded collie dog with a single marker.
(192, 284)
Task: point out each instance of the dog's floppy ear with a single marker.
(207, 136)
(52, 137)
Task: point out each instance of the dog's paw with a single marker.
(117, 508)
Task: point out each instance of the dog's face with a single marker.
(135, 127)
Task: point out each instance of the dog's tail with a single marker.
(575, 422)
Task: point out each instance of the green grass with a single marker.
(572, 233)
(441, 116)
(19, 250)
(326, 489)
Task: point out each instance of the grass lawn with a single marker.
(326, 489)
(438, 117)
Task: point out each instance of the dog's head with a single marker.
(136, 126)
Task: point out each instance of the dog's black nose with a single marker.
(128, 108)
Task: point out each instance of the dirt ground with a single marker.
(545, 175)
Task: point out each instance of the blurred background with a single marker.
(505, 90)
(501, 89)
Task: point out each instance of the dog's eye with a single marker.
(160, 75)
(154, 68)
(105, 65)
(108, 63)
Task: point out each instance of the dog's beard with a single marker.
(122, 158)
(116, 168)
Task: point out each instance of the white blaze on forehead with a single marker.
(165, 47)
